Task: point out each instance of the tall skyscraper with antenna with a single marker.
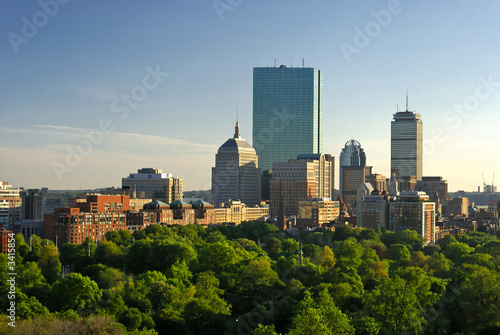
(287, 113)
(407, 144)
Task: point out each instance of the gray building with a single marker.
(407, 144)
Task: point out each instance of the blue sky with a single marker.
(68, 77)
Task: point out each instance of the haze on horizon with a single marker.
(158, 84)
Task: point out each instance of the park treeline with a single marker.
(253, 279)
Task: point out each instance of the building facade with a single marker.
(317, 212)
(287, 113)
(378, 181)
(412, 210)
(373, 211)
(155, 184)
(407, 144)
(236, 175)
(353, 170)
(236, 212)
(458, 207)
(308, 177)
(10, 207)
(93, 217)
(435, 187)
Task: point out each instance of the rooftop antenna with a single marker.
(237, 110)
(291, 61)
(303, 62)
(407, 100)
(275, 62)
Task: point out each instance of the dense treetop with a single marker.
(250, 279)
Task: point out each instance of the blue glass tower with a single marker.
(287, 113)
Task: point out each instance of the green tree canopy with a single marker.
(320, 317)
(74, 292)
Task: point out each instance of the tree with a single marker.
(320, 317)
(491, 248)
(455, 250)
(394, 304)
(28, 307)
(139, 257)
(368, 234)
(399, 254)
(109, 253)
(447, 239)
(481, 297)
(71, 254)
(366, 326)
(218, 256)
(326, 258)
(121, 237)
(179, 275)
(438, 265)
(273, 247)
(257, 275)
(49, 263)
(74, 292)
(290, 247)
(109, 277)
(342, 233)
(475, 238)
(430, 249)
(418, 259)
(264, 330)
(205, 314)
(29, 275)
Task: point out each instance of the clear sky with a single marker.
(94, 90)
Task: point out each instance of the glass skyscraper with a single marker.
(407, 144)
(287, 113)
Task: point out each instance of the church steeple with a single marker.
(237, 130)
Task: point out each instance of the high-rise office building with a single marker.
(407, 144)
(236, 175)
(353, 171)
(307, 177)
(155, 184)
(287, 113)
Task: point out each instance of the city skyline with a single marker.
(159, 84)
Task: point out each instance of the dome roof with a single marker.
(236, 143)
(352, 155)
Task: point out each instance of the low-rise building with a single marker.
(236, 212)
(317, 212)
